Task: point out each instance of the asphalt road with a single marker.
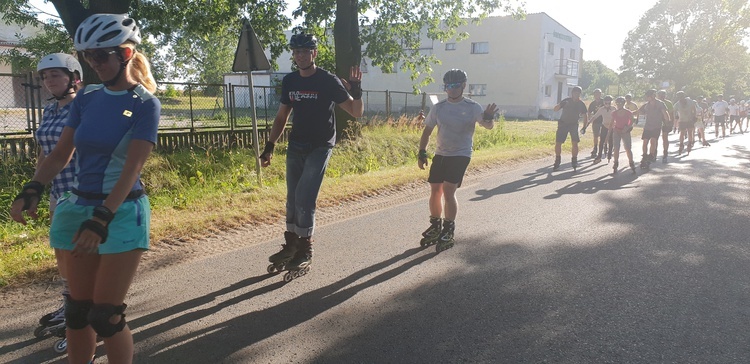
(549, 267)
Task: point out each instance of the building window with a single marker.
(478, 90)
(450, 46)
(572, 53)
(480, 48)
(551, 48)
(548, 90)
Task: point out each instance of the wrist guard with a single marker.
(422, 156)
(356, 89)
(37, 188)
(485, 117)
(103, 213)
(96, 227)
(267, 150)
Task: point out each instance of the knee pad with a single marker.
(76, 313)
(99, 316)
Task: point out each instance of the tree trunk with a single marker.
(348, 53)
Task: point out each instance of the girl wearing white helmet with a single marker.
(61, 76)
(102, 226)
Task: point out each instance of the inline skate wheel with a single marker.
(303, 271)
(288, 277)
(61, 346)
(40, 331)
(271, 269)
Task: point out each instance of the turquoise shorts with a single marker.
(128, 231)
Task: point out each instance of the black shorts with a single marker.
(733, 118)
(448, 169)
(665, 129)
(720, 119)
(563, 129)
(650, 133)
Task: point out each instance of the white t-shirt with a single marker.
(455, 122)
(734, 110)
(720, 108)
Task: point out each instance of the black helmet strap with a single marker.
(123, 65)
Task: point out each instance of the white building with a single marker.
(9, 39)
(525, 66)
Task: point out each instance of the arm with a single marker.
(46, 169)
(423, 140)
(355, 108)
(560, 105)
(279, 123)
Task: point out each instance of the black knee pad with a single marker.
(99, 316)
(76, 313)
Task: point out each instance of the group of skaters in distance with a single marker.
(612, 125)
(95, 140)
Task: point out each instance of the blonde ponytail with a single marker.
(140, 69)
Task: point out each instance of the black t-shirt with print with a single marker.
(571, 111)
(313, 100)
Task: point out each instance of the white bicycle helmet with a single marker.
(105, 31)
(60, 60)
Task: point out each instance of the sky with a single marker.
(601, 35)
(601, 26)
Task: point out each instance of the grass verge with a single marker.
(204, 190)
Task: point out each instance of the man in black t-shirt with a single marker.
(572, 110)
(313, 94)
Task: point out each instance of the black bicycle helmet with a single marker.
(454, 76)
(303, 40)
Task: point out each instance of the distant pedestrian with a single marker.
(622, 125)
(720, 110)
(605, 114)
(656, 112)
(687, 115)
(668, 125)
(596, 123)
(572, 110)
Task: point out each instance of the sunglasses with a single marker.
(304, 51)
(450, 86)
(98, 55)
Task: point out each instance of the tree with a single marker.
(693, 44)
(595, 74)
(172, 23)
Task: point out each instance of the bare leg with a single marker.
(451, 202)
(436, 199)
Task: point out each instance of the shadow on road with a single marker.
(674, 287)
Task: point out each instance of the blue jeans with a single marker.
(305, 168)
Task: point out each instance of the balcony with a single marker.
(566, 68)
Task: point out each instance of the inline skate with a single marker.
(280, 259)
(52, 323)
(445, 240)
(300, 264)
(430, 236)
(556, 166)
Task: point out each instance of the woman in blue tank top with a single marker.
(102, 226)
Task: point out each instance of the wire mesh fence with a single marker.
(188, 109)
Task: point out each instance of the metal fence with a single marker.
(188, 109)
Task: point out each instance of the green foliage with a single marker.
(696, 45)
(595, 75)
(171, 91)
(51, 38)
